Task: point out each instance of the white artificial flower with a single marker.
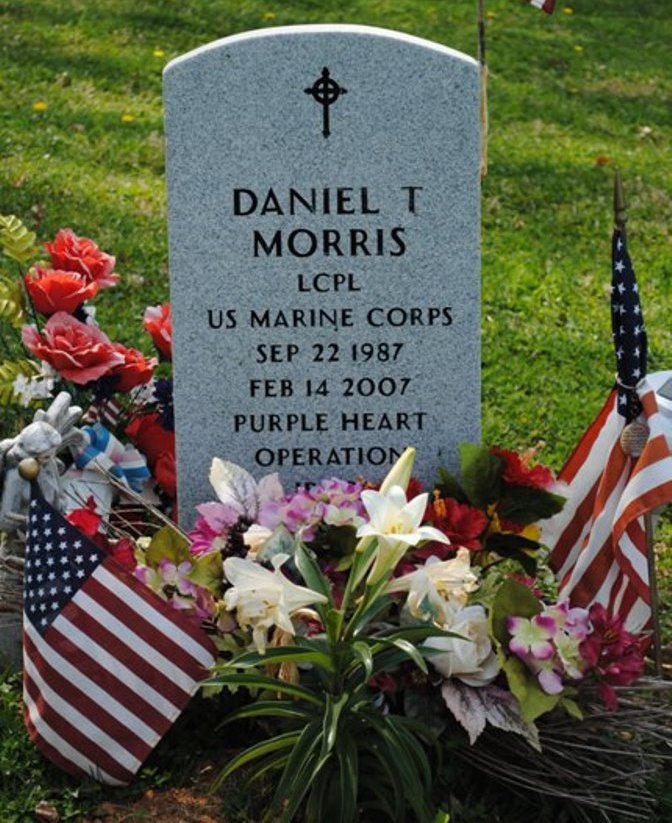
(238, 490)
(471, 660)
(395, 523)
(255, 538)
(264, 598)
(36, 387)
(442, 586)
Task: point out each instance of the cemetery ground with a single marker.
(572, 97)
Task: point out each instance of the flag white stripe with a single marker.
(586, 477)
(155, 618)
(643, 482)
(573, 555)
(603, 594)
(85, 684)
(634, 555)
(81, 722)
(621, 594)
(638, 617)
(63, 747)
(128, 636)
(112, 664)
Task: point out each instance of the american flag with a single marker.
(598, 541)
(544, 5)
(108, 665)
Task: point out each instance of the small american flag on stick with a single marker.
(598, 541)
(108, 665)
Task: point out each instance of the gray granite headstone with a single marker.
(324, 225)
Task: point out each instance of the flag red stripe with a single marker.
(159, 641)
(74, 736)
(569, 537)
(108, 680)
(95, 712)
(583, 448)
(185, 622)
(124, 653)
(48, 750)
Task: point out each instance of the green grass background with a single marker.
(572, 96)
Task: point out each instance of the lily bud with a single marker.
(400, 473)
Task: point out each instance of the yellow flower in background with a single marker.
(127, 118)
(268, 15)
(578, 49)
(159, 53)
(568, 10)
(491, 15)
(40, 105)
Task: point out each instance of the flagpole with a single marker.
(620, 219)
(484, 88)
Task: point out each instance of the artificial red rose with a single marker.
(158, 322)
(123, 551)
(158, 445)
(78, 352)
(518, 472)
(85, 519)
(136, 369)
(72, 253)
(51, 290)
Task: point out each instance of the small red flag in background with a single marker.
(108, 665)
(544, 5)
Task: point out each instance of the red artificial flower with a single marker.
(614, 654)
(72, 253)
(85, 519)
(78, 352)
(461, 523)
(158, 322)
(518, 472)
(158, 445)
(123, 552)
(135, 370)
(51, 290)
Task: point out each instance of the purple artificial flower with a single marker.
(532, 637)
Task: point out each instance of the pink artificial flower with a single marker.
(532, 637)
(212, 527)
(614, 654)
(157, 321)
(79, 352)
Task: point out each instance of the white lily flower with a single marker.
(255, 538)
(443, 585)
(400, 473)
(395, 523)
(264, 598)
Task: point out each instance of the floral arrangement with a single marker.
(126, 395)
(381, 633)
(374, 625)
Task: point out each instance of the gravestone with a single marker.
(324, 227)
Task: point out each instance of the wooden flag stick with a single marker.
(484, 88)
(620, 219)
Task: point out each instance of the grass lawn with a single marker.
(572, 97)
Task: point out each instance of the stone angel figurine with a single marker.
(50, 432)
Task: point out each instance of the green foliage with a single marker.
(16, 241)
(167, 543)
(11, 303)
(9, 371)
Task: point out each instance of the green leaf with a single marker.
(410, 650)
(532, 698)
(512, 598)
(282, 654)
(449, 486)
(17, 242)
(11, 303)
(262, 683)
(9, 371)
(207, 571)
(481, 473)
(168, 544)
(332, 716)
(348, 778)
(525, 505)
(311, 573)
(362, 651)
(571, 707)
(281, 741)
(288, 709)
(295, 779)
